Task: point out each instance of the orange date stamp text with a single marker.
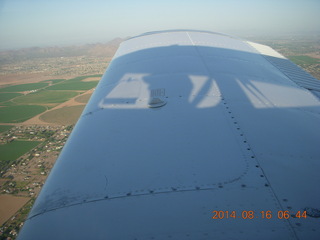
(255, 214)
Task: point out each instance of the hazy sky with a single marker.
(27, 23)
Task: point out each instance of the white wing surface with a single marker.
(189, 135)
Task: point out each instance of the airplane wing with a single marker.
(189, 135)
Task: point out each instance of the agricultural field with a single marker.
(19, 113)
(10, 205)
(54, 81)
(21, 102)
(24, 87)
(4, 128)
(45, 97)
(63, 116)
(8, 96)
(83, 98)
(11, 151)
(75, 84)
(304, 60)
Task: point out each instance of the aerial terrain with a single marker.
(42, 94)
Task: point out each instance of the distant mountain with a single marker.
(99, 49)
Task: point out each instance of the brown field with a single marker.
(84, 98)
(13, 79)
(314, 55)
(63, 116)
(91, 79)
(22, 78)
(9, 205)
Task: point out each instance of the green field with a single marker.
(7, 96)
(24, 87)
(4, 128)
(20, 113)
(75, 84)
(45, 97)
(304, 60)
(16, 108)
(11, 151)
(54, 81)
(7, 103)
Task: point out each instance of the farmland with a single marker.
(54, 81)
(11, 151)
(304, 60)
(75, 84)
(63, 116)
(10, 205)
(19, 113)
(46, 97)
(4, 128)
(83, 98)
(8, 96)
(24, 87)
(21, 102)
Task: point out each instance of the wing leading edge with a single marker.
(183, 124)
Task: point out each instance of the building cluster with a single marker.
(73, 66)
(26, 175)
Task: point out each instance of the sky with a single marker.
(30, 23)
